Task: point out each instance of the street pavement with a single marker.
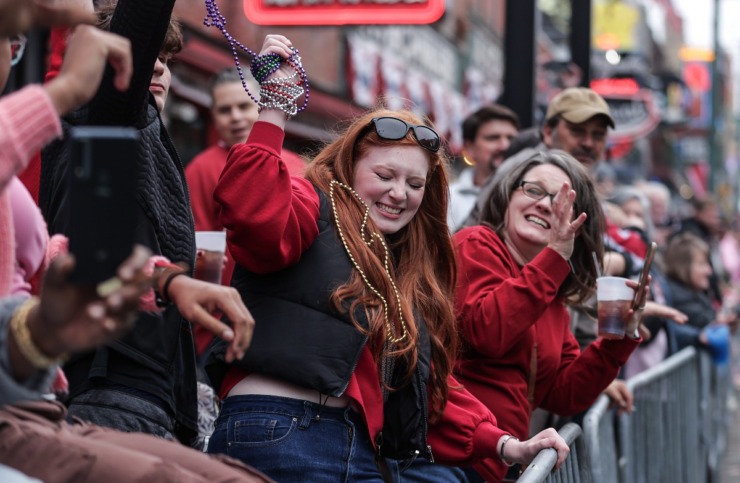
(729, 470)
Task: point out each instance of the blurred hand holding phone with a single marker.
(102, 202)
(639, 300)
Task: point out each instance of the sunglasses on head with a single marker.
(17, 47)
(394, 129)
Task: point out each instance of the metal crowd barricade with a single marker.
(661, 440)
(575, 469)
(716, 383)
(677, 432)
(601, 443)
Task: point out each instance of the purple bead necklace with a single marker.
(262, 66)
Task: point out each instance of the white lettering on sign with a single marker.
(420, 47)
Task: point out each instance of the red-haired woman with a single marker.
(349, 274)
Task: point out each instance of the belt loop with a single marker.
(308, 415)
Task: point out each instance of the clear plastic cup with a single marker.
(209, 260)
(614, 298)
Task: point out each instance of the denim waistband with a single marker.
(287, 406)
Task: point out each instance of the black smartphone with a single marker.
(103, 208)
(639, 301)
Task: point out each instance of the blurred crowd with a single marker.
(369, 315)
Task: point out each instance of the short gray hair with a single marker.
(231, 75)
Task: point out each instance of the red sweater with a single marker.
(202, 175)
(269, 230)
(503, 310)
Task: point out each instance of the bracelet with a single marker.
(165, 293)
(23, 339)
(280, 96)
(161, 298)
(501, 450)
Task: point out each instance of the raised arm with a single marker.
(270, 217)
(144, 23)
(496, 302)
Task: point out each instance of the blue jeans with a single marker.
(295, 441)
(423, 471)
(122, 411)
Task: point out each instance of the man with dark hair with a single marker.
(576, 122)
(233, 113)
(487, 134)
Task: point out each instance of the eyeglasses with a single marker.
(394, 129)
(17, 47)
(535, 191)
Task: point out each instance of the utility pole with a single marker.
(580, 38)
(715, 147)
(522, 22)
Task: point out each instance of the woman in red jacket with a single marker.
(531, 254)
(349, 273)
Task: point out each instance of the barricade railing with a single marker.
(575, 468)
(600, 442)
(661, 440)
(677, 432)
(716, 418)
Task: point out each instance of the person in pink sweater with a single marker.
(37, 334)
(29, 118)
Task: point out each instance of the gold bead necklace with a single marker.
(369, 241)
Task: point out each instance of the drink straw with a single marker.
(596, 264)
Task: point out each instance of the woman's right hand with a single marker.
(282, 46)
(524, 452)
(564, 228)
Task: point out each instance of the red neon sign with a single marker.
(617, 87)
(343, 12)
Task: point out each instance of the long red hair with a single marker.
(423, 266)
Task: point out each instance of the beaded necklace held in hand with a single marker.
(390, 336)
(282, 93)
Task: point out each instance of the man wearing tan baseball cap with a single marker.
(576, 122)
